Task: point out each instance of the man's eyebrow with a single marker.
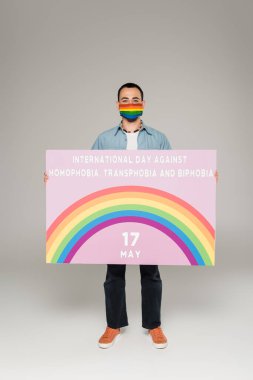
(125, 97)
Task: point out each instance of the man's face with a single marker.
(130, 95)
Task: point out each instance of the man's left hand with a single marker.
(216, 175)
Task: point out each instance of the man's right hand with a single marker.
(45, 177)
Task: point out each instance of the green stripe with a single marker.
(154, 210)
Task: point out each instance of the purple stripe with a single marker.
(136, 219)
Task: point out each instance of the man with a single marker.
(132, 133)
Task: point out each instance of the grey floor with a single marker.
(53, 315)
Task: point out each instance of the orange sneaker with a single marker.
(159, 340)
(109, 337)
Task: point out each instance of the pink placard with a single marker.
(131, 207)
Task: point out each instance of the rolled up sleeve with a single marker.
(165, 144)
(96, 144)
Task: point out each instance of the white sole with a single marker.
(157, 345)
(107, 345)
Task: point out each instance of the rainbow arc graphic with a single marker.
(173, 216)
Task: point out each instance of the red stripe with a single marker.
(131, 105)
(117, 189)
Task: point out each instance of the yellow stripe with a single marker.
(54, 241)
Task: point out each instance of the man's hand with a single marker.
(216, 175)
(45, 177)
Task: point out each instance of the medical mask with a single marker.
(131, 111)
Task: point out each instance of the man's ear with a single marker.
(144, 103)
(117, 105)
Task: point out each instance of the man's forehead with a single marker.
(130, 93)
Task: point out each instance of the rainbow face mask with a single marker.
(130, 110)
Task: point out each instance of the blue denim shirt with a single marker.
(116, 138)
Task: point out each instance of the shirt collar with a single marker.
(144, 126)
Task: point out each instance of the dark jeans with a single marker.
(115, 296)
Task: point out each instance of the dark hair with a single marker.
(131, 85)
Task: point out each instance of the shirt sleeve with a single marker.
(165, 143)
(96, 144)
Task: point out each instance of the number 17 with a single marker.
(135, 237)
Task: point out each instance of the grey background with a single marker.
(62, 63)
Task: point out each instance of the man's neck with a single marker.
(131, 125)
